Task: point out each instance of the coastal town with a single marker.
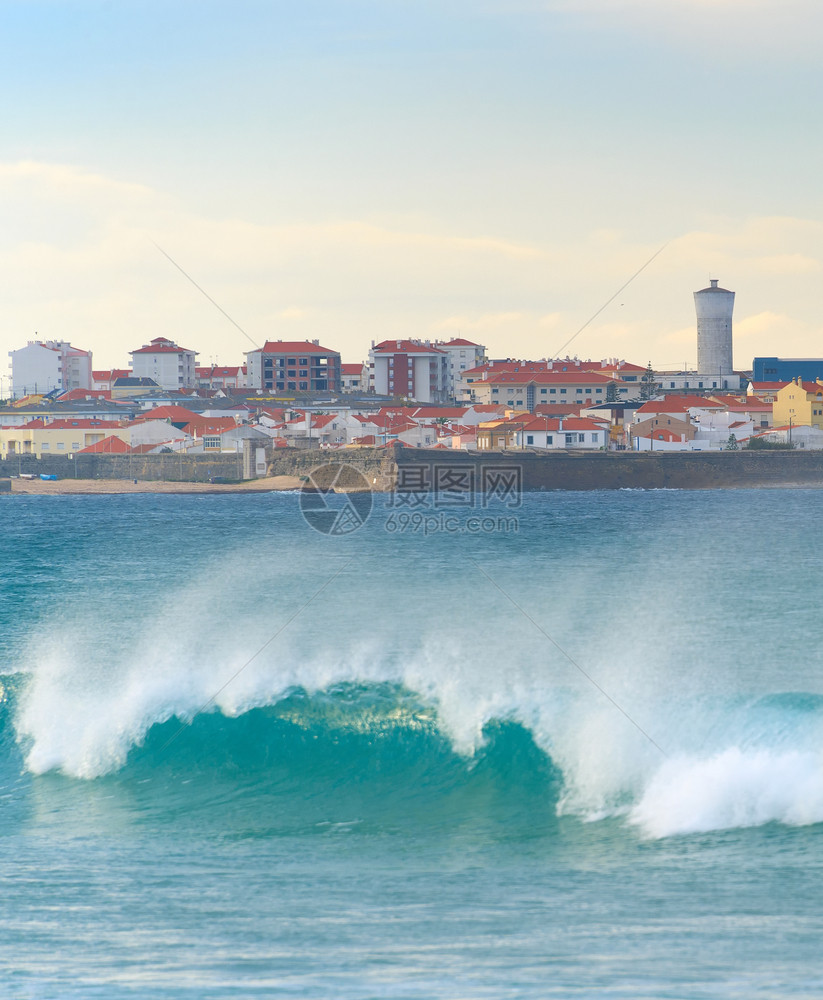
(447, 395)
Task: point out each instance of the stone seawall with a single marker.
(167, 468)
(626, 470)
(381, 467)
(377, 464)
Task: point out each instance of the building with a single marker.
(627, 375)
(692, 381)
(289, 366)
(562, 433)
(104, 380)
(220, 377)
(799, 403)
(463, 356)
(128, 386)
(354, 378)
(45, 365)
(765, 391)
(57, 437)
(528, 387)
(786, 369)
(410, 369)
(714, 306)
(170, 366)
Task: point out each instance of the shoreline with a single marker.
(103, 487)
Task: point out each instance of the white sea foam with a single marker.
(734, 788)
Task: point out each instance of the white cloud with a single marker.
(79, 264)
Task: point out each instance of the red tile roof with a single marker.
(405, 347)
(161, 345)
(177, 414)
(293, 347)
(108, 446)
(437, 412)
(544, 377)
(72, 394)
(679, 404)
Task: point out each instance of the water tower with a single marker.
(714, 330)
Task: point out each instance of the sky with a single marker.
(357, 171)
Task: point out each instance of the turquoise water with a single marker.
(241, 758)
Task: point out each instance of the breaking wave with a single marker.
(350, 749)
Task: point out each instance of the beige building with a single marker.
(60, 437)
(527, 389)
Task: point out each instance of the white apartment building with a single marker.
(170, 366)
(411, 369)
(44, 365)
(463, 355)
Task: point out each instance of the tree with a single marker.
(731, 444)
(648, 383)
(611, 392)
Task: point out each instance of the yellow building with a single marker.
(799, 404)
(60, 437)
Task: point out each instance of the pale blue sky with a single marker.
(355, 171)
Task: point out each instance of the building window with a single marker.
(304, 385)
(549, 439)
(530, 439)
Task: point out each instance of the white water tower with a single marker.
(714, 330)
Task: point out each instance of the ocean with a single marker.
(563, 746)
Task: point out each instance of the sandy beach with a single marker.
(103, 486)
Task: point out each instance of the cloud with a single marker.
(79, 264)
